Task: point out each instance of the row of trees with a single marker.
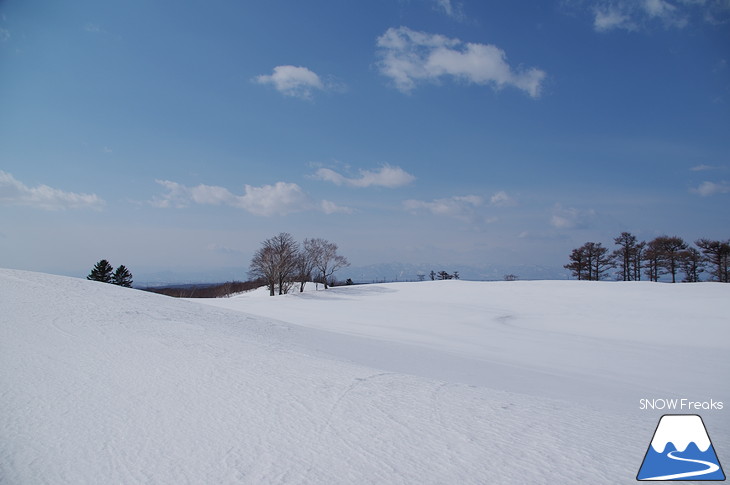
(664, 255)
(441, 275)
(104, 272)
(281, 262)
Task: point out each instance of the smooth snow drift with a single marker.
(466, 383)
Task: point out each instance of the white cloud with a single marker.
(387, 176)
(571, 218)
(706, 189)
(298, 82)
(281, 198)
(94, 28)
(460, 207)
(502, 199)
(704, 168)
(408, 57)
(610, 18)
(452, 9)
(635, 15)
(14, 192)
(329, 207)
(670, 15)
(4, 35)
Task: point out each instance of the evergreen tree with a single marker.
(102, 271)
(122, 277)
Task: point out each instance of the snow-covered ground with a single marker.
(431, 382)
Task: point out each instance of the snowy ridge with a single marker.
(680, 430)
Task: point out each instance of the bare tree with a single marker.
(286, 250)
(717, 253)
(275, 262)
(600, 260)
(624, 256)
(590, 261)
(652, 258)
(692, 265)
(669, 251)
(305, 264)
(638, 258)
(578, 265)
(263, 266)
(443, 275)
(326, 259)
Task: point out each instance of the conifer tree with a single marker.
(122, 277)
(102, 271)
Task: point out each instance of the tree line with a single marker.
(205, 290)
(441, 275)
(104, 272)
(663, 255)
(282, 262)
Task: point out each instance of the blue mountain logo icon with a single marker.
(680, 450)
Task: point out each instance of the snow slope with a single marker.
(101, 384)
(609, 343)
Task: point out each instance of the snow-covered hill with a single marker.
(433, 382)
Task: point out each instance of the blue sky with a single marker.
(178, 135)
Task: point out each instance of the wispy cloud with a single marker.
(329, 207)
(408, 57)
(636, 15)
(281, 198)
(4, 35)
(386, 176)
(452, 9)
(706, 189)
(704, 168)
(502, 199)
(94, 28)
(460, 207)
(610, 18)
(14, 192)
(571, 218)
(295, 81)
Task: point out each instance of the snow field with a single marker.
(101, 384)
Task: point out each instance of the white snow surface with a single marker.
(413, 383)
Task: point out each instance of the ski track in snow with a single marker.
(100, 384)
